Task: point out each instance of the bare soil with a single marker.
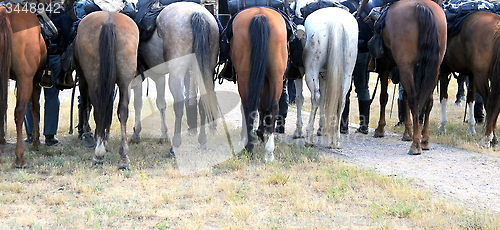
(465, 176)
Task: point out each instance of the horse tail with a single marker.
(201, 48)
(340, 64)
(107, 78)
(5, 62)
(426, 69)
(494, 98)
(259, 31)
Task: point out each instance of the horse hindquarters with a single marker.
(418, 52)
(340, 57)
(116, 56)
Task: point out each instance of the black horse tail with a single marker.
(201, 48)
(493, 100)
(259, 31)
(107, 78)
(426, 69)
(5, 63)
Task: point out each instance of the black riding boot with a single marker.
(280, 124)
(401, 113)
(344, 121)
(364, 115)
(478, 112)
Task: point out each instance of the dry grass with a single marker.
(301, 190)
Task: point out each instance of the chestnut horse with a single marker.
(106, 53)
(22, 57)
(259, 54)
(415, 41)
(475, 51)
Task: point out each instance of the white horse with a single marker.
(183, 28)
(330, 48)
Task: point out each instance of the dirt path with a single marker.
(468, 177)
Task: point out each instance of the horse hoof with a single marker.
(485, 142)
(411, 152)
(192, 132)
(171, 153)
(269, 157)
(494, 141)
(88, 140)
(123, 167)
(22, 167)
(307, 144)
(378, 135)
(426, 145)
(405, 138)
(98, 160)
(135, 139)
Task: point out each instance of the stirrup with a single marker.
(46, 80)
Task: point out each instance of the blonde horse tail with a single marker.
(337, 82)
(5, 63)
(107, 78)
(201, 48)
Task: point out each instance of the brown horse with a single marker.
(259, 54)
(415, 42)
(22, 56)
(106, 53)
(475, 51)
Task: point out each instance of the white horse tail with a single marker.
(201, 47)
(342, 53)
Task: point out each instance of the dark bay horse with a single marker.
(259, 54)
(185, 45)
(106, 53)
(415, 42)
(22, 56)
(475, 51)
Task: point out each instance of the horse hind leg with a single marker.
(299, 101)
(124, 161)
(321, 105)
(100, 151)
(384, 96)
(161, 104)
(202, 137)
(472, 120)
(313, 85)
(425, 130)
(136, 137)
(443, 91)
(490, 139)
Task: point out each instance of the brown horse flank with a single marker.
(475, 51)
(106, 53)
(259, 54)
(415, 41)
(22, 56)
